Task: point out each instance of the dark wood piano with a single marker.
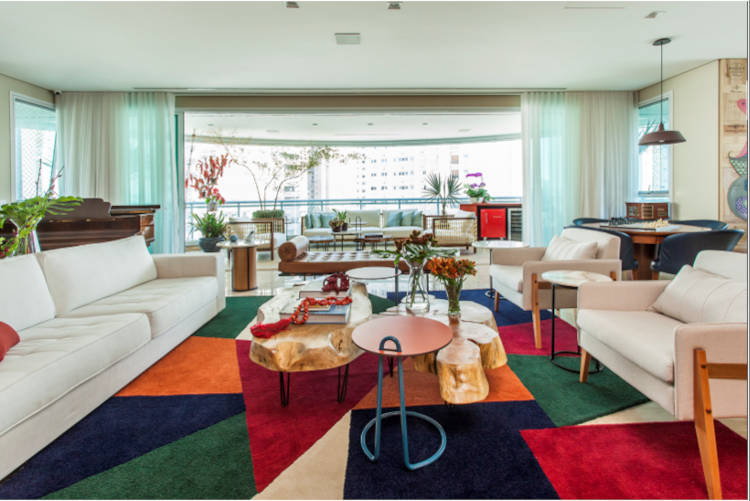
(96, 221)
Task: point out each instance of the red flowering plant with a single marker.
(451, 272)
(205, 180)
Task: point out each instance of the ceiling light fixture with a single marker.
(347, 38)
(394, 5)
(292, 5)
(661, 136)
(653, 14)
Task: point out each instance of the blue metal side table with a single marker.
(400, 336)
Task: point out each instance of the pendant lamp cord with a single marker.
(661, 84)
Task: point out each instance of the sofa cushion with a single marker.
(80, 275)
(699, 296)
(25, 299)
(563, 249)
(308, 221)
(8, 339)
(325, 219)
(165, 301)
(510, 276)
(607, 245)
(394, 218)
(646, 338)
(316, 232)
(56, 356)
(366, 217)
(400, 231)
(417, 219)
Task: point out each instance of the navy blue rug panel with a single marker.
(508, 314)
(485, 456)
(121, 429)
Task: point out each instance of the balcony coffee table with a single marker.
(400, 336)
(308, 347)
(341, 236)
(373, 240)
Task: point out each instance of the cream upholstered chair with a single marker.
(516, 273)
(670, 357)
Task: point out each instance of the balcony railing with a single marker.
(295, 209)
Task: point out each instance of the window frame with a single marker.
(17, 96)
(666, 96)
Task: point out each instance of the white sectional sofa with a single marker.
(91, 319)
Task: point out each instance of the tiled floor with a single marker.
(270, 283)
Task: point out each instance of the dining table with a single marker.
(646, 242)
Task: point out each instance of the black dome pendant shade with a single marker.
(661, 136)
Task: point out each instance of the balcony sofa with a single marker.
(396, 223)
(91, 319)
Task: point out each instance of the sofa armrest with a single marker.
(724, 343)
(189, 265)
(635, 295)
(517, 256)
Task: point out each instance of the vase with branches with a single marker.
(443, 190)
(205, 180)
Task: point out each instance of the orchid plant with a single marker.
(206, 180)
(475, 187)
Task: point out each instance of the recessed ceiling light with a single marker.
(464, 130)
(347, 38)
(370, 124)
(292, 5)
(315, 124)
(394, 5)
(425, 123)
(652, 15)
(210, 125)
(272, 131)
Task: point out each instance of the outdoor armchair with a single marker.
(516, 273)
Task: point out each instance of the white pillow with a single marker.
(698, 296)
(564, 249)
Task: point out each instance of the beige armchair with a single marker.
(671, 361)
(516, 273)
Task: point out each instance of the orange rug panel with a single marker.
(197, 366)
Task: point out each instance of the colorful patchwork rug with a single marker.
(206, 423)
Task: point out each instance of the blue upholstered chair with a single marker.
(706, 223)
(680, 249)
(580, 221)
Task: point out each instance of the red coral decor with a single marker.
(268, 330)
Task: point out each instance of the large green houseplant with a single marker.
(441, 189)
(213, 227)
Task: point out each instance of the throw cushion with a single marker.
(325, 219)
(564, 249)
(406, 217)
(308, 221)
(394, 218)
(416, 218)
(699, 296)
(8, 338)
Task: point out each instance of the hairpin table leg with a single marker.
(284, 388)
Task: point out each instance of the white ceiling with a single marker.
(333, 127)
(258, 46)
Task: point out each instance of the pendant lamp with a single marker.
(661, 136)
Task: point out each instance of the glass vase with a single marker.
(453, 291)
(28, 244)
(417, 300)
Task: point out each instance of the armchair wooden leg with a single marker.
(585, 362)
(535, 313)
(497, 300)
(704, 425)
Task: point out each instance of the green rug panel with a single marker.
(564, 399)
(380, 304)
(213, 463)
(235, 317)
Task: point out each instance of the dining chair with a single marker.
(680, 249)
(580, 221)
(705, 223)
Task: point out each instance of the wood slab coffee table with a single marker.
(309, 347)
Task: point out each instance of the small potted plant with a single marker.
(339, 223)
(476, 188)
(212, 227)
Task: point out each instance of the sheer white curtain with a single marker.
(120, 147)
(579, 158)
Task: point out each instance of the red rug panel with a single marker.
(518, 339)
(279, 435)
(636, 461)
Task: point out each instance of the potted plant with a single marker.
(338, 223)
(25, 216)
(442, 190)
(212, 227)
(475, 189)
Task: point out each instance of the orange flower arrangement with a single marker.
(451, 272)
